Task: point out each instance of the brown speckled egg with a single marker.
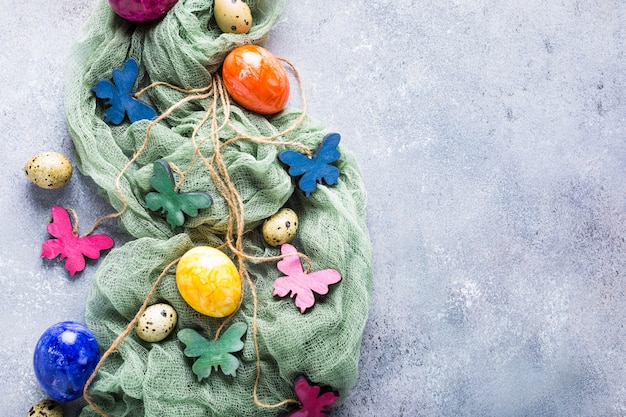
(281, 227)
(233, 16)
(156, 323)
(48, 170)
(46, 408)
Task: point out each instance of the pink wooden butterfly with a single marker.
(312, 404)
(69, 245)
(300, 283)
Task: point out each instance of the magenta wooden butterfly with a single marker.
(69, 245)
(299, 282)
(312, 404)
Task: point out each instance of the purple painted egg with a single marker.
(142, 10)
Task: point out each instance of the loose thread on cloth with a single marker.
(223, 183)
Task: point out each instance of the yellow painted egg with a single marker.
(48, 170)
(209, 281)
(233, 16)
(46, 408)
(281, 227)
(156, 322)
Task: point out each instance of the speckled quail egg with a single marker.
(233, 16)
(46, 408)
(281, 227)
(156, 322)
(48, 170)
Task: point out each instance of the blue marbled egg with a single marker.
(65, 356)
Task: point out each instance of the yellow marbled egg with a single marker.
(281, 227)
(233, 16)
(46, 408)
(48, 170)
(209, 281)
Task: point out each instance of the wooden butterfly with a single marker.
(172, 203)
(214, 354)
(312, 404)
(69, 245)
(118, 97)
(301, 284)
(316, 168)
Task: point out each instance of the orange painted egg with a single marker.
(209, 281)
(256, 79)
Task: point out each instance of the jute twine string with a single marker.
(120, 338)
(218, 169)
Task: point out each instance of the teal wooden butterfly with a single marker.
(174, 204)
(214, 354)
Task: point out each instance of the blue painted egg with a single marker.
(65, 357)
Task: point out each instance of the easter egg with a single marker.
(46, 408)
(232, 16)
(65, 356)
(209, 281)
(256, 79)
(48, 170)
(281, 227)
(141, 10)
(156, 322)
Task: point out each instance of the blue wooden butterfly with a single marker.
(118, 97)
(317, 168)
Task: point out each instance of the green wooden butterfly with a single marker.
(213, 354)
(174, 204)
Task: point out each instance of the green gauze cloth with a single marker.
(185, 49)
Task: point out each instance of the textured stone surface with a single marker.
(491, 136)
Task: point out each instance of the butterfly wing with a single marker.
(196, 345)
(162, 178)
(290, 264)
(75, 261)
(91, 246)
(114, 111)
(327, 153)
(298, 163)
(191, 202)
(319, 281)
(299, 289)
(126, 76)
(51, 248)
(165, 199)
(230, 342)
(138, 110)
(61, 228)
(308, 182)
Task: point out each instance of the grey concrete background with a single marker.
(492, 140)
